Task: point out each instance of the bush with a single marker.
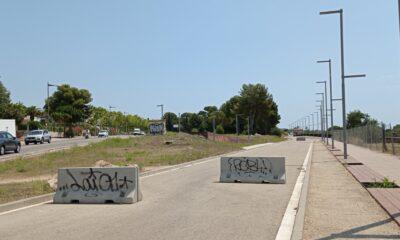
(220, 129)
(34, 125)
(276, 131)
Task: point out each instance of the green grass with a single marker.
(386, 183)
(16, 191)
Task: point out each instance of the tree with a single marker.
(186, 126)
(210, 109)
(69, 105)
(258, 104)
(15, 111)
(357, 118)
(4, 99)
(33, 111)
(396, 130)
(170, 119)
(230, 109)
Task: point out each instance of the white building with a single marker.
(8, 125)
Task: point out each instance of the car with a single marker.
(103, 133)
(37, 136)
(9, 143)
(137, 131)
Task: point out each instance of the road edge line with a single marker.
(286, 228)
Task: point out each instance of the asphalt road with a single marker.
(183, 203)
(55, 145)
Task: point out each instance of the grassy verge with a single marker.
(15, 191)
(144, 151)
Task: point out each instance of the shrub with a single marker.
(276, 131)
(220, 129)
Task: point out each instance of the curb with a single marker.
(301, 214)
(25, 202)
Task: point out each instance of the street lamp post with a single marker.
(326, 112)
(317, 119)
(312, 115)
(343, 76)
(399, 14)
(330, 96)
(48, 96)
(237, 126)
(322, 111)
(162, 110)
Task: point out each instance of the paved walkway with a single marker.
(338, 207)
(386, 164)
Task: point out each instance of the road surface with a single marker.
(55, 145)
(183, 203)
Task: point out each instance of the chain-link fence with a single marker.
(372, 136)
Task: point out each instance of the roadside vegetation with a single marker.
(14, 191)
(147, 152)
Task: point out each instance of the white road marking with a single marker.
(286, 228)
(26, 207)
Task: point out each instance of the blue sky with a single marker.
(189, 54)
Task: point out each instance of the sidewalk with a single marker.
(385, 164)
(338, 207)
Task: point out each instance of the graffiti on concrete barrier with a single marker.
(93, 181)
(156, 128)
(245, 166)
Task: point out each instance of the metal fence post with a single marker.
(392, 140)
(384, 147)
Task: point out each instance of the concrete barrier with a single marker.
(253, 169)
(300, 138)
(98, 185)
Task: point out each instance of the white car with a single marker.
(37, 136)
(103, 133)
(137, 132)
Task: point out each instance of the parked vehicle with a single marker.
(9, 143)
(103, 133)
(137, 131)
(37, 136)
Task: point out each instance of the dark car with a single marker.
(9, 143)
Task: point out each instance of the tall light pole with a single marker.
(330, 96)
(313, 126)
(48, 96)
(237, 126)
(399, 13)
(317, 119)
(343, 76)
(326, 111)
(323, 127)
(162, 110)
